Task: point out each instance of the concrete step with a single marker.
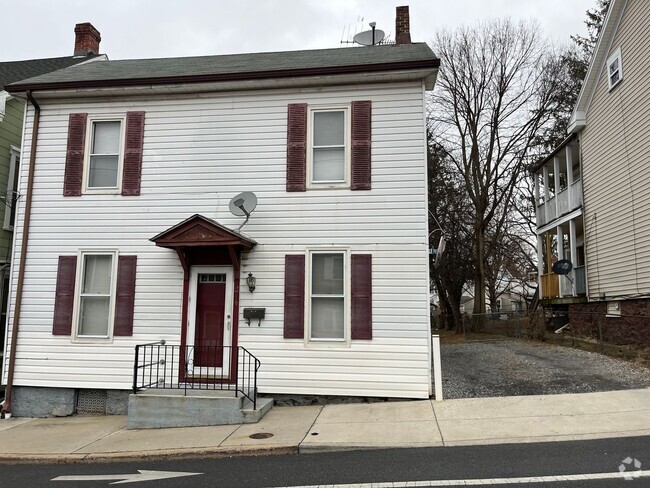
(171, 408)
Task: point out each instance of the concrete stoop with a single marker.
(175, 408)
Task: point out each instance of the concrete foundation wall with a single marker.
(37, 402)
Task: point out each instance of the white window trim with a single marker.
(76, 337)
(4, 96)
(120, 160)
(348, 142)
(14, 152)
(347, 299)
(615, 55)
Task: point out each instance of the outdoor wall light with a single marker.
(250, 281)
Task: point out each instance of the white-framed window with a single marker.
(4, 96)
(614, 69)
(328, 296)
(11, 198)
(104, 155)
(329, 147)
(95, 294)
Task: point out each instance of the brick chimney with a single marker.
(402, 26)
(86, 39)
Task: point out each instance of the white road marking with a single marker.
(143, 475)
(485, 481)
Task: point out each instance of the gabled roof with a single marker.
(200, 231)
(596, 65)
(235, 67)
(13, 71)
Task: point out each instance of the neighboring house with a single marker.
(131, 240)
(594, 200)
(12, 110)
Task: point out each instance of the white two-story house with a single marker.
(125, 235)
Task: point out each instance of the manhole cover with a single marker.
(261, 435)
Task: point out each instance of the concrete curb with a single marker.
(148, 455)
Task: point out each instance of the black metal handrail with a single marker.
(159, 365)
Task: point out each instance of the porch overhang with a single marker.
(199, 232)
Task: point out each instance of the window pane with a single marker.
(329, 164)
(103, 172)
(327, 318)
(106, 138)
(327, 274)
(329, 128)
(97, 274)
(94, 316)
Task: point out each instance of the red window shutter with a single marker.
(132, 172)
(64, 297)
(125, 298)
(294, 296)
(74, 158)
(297, 147)
(361, 296)
(361, 136)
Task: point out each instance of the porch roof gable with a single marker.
(200, 231)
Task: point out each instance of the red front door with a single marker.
(210, 311)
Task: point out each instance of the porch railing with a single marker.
(159, 365)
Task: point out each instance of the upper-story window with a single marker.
(329, 155)
(104, 154)
(12, 188)
(329, 146)
(104, 161)
(614, 69)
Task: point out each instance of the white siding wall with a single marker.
(198, 153)
(616, 173)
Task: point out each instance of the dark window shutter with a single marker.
(125, 298)
(361, 296)
(361, 136)
(74, 158)
(64, 298)
(132, 172)
(294, 296)
(297, 147)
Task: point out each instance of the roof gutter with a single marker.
(241, 76)
(6, 404)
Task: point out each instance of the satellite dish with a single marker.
(369, 38)
(243, 204)
(562, 267)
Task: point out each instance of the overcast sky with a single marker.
(167, 28)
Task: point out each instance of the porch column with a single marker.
(574, 254)
(556, 177)
(560, 255)
(569, 176)
(540, 263)
(545, 176)
(538, 217)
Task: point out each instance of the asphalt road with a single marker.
(359, 467)
(519, 367)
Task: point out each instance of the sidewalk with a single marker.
(340, 427)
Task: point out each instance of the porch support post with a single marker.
(538, 208)
(547, 195)
(569, 175)
(560, 255)
(540, 263)
(574, 254)
(556, 178)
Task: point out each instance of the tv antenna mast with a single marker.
(370, 37)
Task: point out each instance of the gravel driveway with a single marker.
(518, 367)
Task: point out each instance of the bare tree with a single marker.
(494, 92)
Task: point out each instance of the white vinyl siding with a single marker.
(616, 174)
(198, 153)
